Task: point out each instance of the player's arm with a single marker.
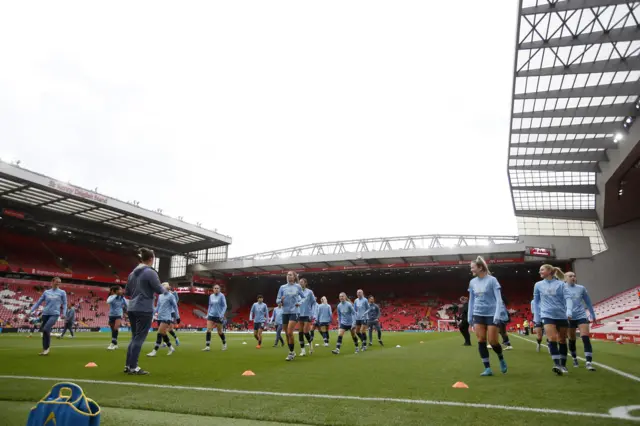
(472, 300)
(38, 303)
(279, 296)
(498, 295)
(64, 304)
(568, 300)
(587, 301)
(536, 303)
(224, 306)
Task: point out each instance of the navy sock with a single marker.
(301, 339)
(114, 337)
(46, 340)
(166, 340)
(370, 335)
(563, 353)
(363, 337)
(572, 349)
(498, 350)
(325, 336)
(158, 341)
(539, 341)
(173, 334)
(555, 354)
(292, 347)
(208, 338)
(588, 350)
(223, 338)
(308, 337)
(379, 335)
(355, 341)
(339, 342)
(313, 334)
(484, 354)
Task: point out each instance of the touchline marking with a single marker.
(612, 415)
(606, 367)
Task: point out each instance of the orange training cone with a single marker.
(91, 365)
(460, 385)
(248, 373)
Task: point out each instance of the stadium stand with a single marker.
(618, 304)
(17, 297)
(21, 253)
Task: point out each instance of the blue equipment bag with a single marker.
(65, 405)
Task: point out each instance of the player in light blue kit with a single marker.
(361, 306)
(259, 314)
(550, 298)
(215, 317)
(291, 296)
(307, 312)
(578, 319)
(176, 318)
(323, 319)
(346, 321)
(165, 309)
(277, 319)
(117, 305)
(53, 298)
(373, 320)
(485, 308)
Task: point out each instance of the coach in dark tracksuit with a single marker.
(142, 285)
(463, 323)
(69, 319)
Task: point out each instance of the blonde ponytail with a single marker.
(557, 272)
(480, 263)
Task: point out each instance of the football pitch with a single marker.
(406, 385)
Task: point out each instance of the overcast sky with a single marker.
(279, 123)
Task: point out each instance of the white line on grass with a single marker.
(323, 396)
(606, 367)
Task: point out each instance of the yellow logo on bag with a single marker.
(51, 420)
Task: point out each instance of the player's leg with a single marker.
(588, 350)
(210, 326)
(493, 332)
(552, 335)
(571, 334)
(222, 336)
(339, 341)
(481, 335)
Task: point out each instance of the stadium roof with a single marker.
(44, 199)
(419, 251)
(575, 96)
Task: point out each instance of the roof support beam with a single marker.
(559, 214)
(614, 110)
(574, 167)
(617, 89)
(615, 35)
(575, 189)
(607, 143)
(561, 6)
(610, 127)
(565, 156)
(606, 65)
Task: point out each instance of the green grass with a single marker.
(419, 371)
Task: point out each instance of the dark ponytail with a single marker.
(145, 254)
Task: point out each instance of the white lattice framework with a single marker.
(383, 244)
